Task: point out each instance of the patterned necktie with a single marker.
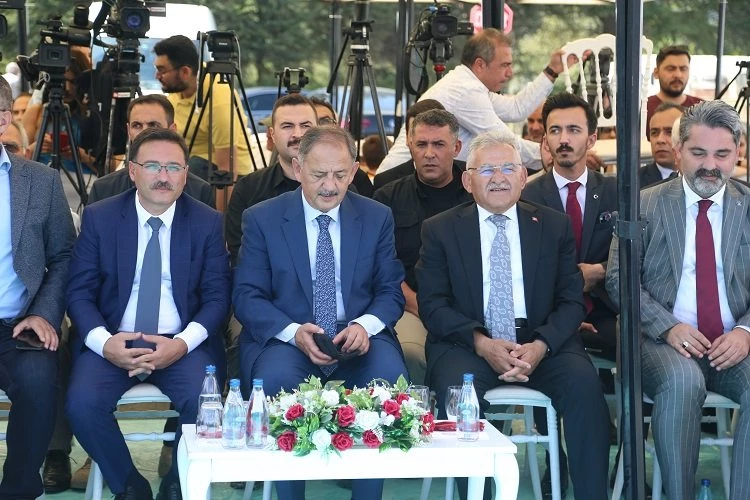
(500, 316)
(324, 296)
(707, 286)
(573, 209)
(149, 291)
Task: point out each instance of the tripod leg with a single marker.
(81, 188)
(376, 103)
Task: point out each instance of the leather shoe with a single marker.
(56, 475)
(136, 488)
(165, 461)
(169, 490)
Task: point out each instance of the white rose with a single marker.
(367, 420)
(330, 398)
(386, 420)
(381, 393)
(321, 439)
(286, 401)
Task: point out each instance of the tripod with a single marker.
(55, 111)
(739, 105)
(227, 71)
(360, 65)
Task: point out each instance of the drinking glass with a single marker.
(422, 394)
(452, 397)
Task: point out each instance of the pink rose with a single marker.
(346, 416)
(342, 441)
(286, 441)
(295, 411)
(428, 423)
(370, 439)
(391, 407)
(401, 397)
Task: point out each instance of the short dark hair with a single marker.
(421, 107)
(291, 100)
(180, 50)
(671, 50)
(158, 99)
(372, 151)
(157, 134)
(319, 101)
(566, 100)
(667, 105)
(437, 118)
(482, 45)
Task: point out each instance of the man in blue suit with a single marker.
(145, 246)
(319, 259)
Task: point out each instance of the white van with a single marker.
(180, 19)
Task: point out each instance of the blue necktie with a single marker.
(149, 290)
(500, 315)
(324, 296)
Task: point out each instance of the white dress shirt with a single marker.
(487, 232)
(665, 171)
(562, 187)
(169, 318)
(369, 322)
(686, 302)
(478, 110)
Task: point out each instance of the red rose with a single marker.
(428, 423)
(391, 407)
(370, 439)
(346, 416)
(342, 441)
(401, 397)
(286, 441)
(295, 411)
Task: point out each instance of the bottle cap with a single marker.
(234, 383)
(257, 382)
(210, 369)
(705, 482)
(468, 377)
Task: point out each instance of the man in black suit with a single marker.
(660, 137)
(148, 111)
(500, 295)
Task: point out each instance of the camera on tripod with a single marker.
(130, 19)
(293, 79)
(223, 45)
(437, 23)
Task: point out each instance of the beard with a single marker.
(171, 88)
(566, 162)
(703, 187)
(671, 92)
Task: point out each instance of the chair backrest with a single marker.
(597, 75)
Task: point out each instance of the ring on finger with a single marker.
(685, 345)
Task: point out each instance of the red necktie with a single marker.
(707, 287)
(573, 209)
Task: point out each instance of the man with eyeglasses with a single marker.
(152, 310)
(500, 295)
(14, 140)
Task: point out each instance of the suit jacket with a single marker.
(119, 181)
(42, 237)
(273, 281)
(648, 175)
(449, 273)
(663, 249)
(598, 219)
(104, 260)
(393, 174)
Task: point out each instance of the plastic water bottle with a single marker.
(705, 493)
(233, 423)
(208, 423)
(468, 411)
(257, 416)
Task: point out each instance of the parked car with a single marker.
(261, 100)
(386, 99)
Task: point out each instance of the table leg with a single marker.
(475, 489)
(195, 476)
(506, 477)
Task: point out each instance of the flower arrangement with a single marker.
(332, 419)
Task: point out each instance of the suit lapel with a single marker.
(127, 252)
(593, 198)
(179, 256)
(466, 230)
(295, 235)
(20, 190)
(530, 230)
(735, 211)
(351, 233)
(551, 193)
(672, 208)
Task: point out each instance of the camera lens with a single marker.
(134, 21)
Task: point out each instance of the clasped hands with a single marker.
(514, 362)
(725, 352)
(353, 338)
(140, 360)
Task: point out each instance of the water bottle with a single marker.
(705, 493)
(257, 416)
(233, 423)
(208, 422)
(468, 411)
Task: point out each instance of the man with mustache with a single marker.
(501, 297)
(660, 138)
(673, 72)
(319, 260)
(589, 199)
(152, 310)
(695, 296)
(293, 115)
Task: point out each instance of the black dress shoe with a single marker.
(136, 488)
(169, 489)
(56, 475)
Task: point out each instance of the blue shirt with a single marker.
(13, 293)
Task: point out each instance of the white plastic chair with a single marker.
(513, 395)
(141, 393)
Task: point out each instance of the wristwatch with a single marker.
(551, 73)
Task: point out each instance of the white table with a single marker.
(200, 463)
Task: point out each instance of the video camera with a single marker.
(129, 19)
(223, 45)
(293, 79)
(436, 22)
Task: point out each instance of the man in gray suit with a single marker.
(36, 236)
(695, 295)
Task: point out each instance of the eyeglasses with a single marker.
(161, 71)
(12, 147)
(154, 167)
(505, 168)
(326, 121)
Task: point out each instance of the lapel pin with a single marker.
(535, 219)
(596, 196)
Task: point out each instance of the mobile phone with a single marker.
(26, 347)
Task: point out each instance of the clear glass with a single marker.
(452, 397)
(422, 394)
(234, 421)
(208, 420)
(257, 418)
(468, 411)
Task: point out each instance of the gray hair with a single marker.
(317, 135)
(21, 133)
(713, 114)
(6, 95)
(486, 140)
(676, 131)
